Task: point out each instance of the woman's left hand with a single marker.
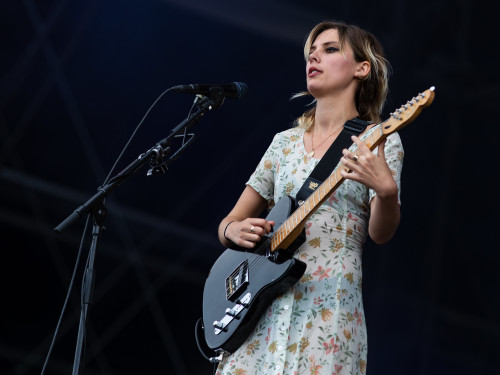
(369, 169)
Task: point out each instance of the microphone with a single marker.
(236, 90)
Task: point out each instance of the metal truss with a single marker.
(136, 256)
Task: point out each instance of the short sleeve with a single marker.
(394, 154)
(263, 179)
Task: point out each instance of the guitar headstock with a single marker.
(408, 112)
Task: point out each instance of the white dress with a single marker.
(318, 326)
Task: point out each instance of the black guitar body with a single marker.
(242, 284)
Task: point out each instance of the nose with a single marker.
(313, 56)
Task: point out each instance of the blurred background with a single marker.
(77, 77)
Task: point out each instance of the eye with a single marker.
(331, 49)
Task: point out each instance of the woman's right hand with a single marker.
(247, 233)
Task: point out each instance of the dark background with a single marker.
(76, 78)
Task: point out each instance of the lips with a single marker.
(313, 71)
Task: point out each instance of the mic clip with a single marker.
(211, 102)
(156, 161)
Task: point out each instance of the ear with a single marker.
(362, 70)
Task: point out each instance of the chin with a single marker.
(314, 90)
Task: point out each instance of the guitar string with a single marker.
(263, 246)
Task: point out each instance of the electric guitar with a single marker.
(242, 284)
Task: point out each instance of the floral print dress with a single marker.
(318, 326)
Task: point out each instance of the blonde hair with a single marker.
(372, 90)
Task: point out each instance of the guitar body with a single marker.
(242, 284)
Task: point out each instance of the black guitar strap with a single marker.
(356, 126)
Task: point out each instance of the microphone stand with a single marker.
(95, 206)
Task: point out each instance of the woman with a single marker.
(318, 326)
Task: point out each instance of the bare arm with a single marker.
(372, 171)
(384, 218)
(236, 228)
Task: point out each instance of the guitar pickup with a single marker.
(236, 282)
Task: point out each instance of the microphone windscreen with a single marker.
(241, 89)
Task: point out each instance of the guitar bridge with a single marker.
(231, 314)
(237, 281)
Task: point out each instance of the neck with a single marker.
(332, 114)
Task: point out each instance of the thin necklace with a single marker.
(311, 154)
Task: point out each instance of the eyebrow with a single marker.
(313, 47)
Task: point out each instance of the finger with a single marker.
(346, 173)
(347, 163)
(252, 237)
(265, 225)
(268, 226)
(363, 148)
(246, 239)
(256, 230)
(247, 244)
(349, 155)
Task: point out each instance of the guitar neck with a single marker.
(292, 227)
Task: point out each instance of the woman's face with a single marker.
(328, 70)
